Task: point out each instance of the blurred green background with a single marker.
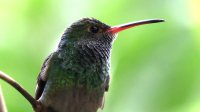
(155, 68)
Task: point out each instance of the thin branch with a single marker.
(19, 88)
(2, 102)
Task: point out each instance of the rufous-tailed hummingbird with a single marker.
(75, 76)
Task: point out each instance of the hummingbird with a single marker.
(75, 77)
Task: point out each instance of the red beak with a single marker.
(116, 29)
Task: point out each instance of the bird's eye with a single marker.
(94, 29)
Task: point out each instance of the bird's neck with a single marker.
(88, 61)
(87, 55)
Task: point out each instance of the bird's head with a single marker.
(90, 30)
(87, 30)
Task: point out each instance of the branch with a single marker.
(19, 88)
(2, 102)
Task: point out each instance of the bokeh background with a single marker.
(155, 68)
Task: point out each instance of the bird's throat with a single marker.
(88, 64)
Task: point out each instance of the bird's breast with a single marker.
(74, 100)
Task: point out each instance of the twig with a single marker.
(2, 102)
(19, 88)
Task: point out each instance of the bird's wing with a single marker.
(106, 90)
(42, 77)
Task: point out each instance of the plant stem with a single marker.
(2, 102)
(19, 88)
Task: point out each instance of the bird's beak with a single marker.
(116, 29)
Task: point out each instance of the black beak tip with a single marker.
(159, 20)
